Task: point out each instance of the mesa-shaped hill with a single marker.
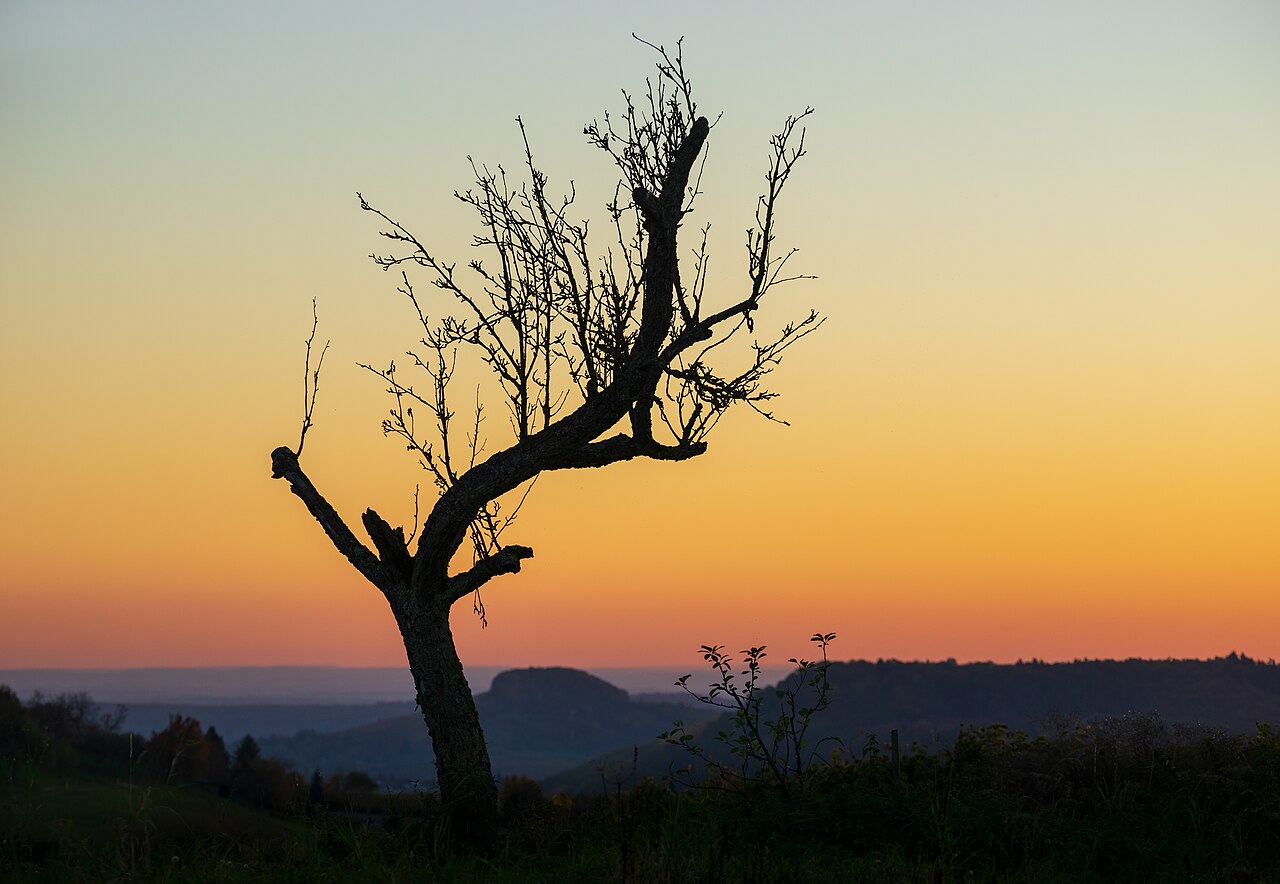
(537, 722)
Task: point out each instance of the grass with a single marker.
(65, 820)
(1120, 801)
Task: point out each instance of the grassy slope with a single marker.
(79, 816)
(1000, 808)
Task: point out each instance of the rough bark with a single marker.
(465, 776)
(463, 769)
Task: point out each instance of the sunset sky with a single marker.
(1042, 419)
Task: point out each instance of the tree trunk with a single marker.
(419, 587)
(463, 769)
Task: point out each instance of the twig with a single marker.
(310, 379)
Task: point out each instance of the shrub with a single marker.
(761, 749)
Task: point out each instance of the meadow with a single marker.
(1122, 799)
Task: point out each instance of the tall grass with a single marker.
(1121, 800)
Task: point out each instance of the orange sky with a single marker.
(1041, 420)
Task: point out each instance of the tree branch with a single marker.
(284, 465)
(504, 561)
(623, 447)
(310, 379)
(390, 543)
(569, 439)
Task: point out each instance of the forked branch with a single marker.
(284, 465)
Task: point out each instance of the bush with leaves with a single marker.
(767, 735)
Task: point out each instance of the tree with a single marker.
(598, 358)
(246, 752)
(315, 790)
(180, 752)
(361, 782)
(219, 761)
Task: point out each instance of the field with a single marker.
(1121, 800)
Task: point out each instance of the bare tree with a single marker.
(598, 358)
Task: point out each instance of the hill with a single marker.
(275, 685)
(928, 703)
(537, 721)
(259, 719)
(228, 685)
(81, 801)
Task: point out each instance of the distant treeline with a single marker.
(70, 732)
(928, 701)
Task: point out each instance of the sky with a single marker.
(1041, 420)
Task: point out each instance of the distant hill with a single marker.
(931, 701)
(260, 719)
(546, 722)
(228, 685)
(275, 685)
(537, 722)
(928, 703)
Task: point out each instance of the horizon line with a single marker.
(652, 666)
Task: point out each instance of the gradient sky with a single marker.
(1042, 420)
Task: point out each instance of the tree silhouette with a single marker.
(246, 752)
(598, 358)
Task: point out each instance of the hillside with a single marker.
(82, 801)
(928, 703)
(259, 719)
(932, 701)
(537, 722)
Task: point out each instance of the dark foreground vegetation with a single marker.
(1122, 799)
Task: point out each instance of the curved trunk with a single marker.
(463, 769)
(462, 760)
(418, 586)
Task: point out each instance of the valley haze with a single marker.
(279, 685)
(560, 725)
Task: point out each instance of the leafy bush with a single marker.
(766, 738)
